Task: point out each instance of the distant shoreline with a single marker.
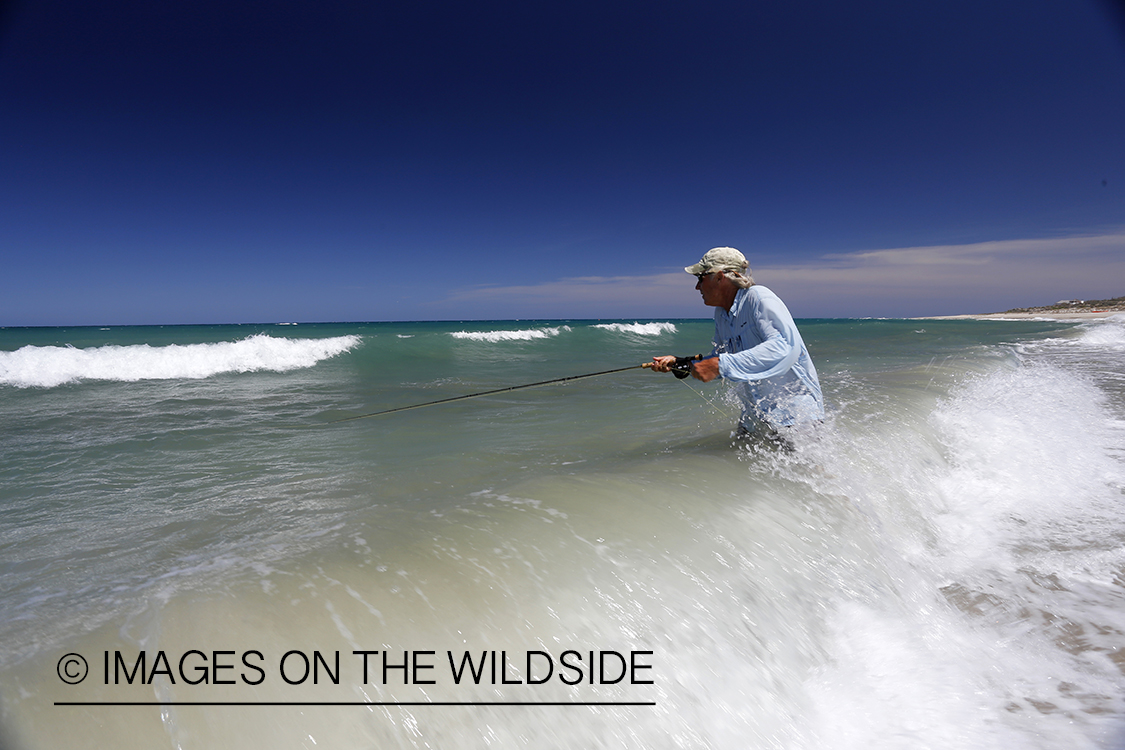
(1073, 310)
(1029, 316)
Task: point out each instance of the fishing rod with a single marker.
(681, 368)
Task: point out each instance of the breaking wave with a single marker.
(1107, 334)
(526, 335)
(49, 366)
(640, 329)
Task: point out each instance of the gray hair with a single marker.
(743, 280)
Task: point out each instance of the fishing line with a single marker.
(489, 393)
(710, 403)
(681, 369)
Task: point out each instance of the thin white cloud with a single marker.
(934, 280)
(979, 277)
(983, 253)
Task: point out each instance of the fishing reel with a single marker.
(681, 368)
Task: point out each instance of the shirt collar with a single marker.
(736, 306)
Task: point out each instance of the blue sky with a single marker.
(234, 162)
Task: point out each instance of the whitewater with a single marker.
(195, 553)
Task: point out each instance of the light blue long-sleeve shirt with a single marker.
(761, 351)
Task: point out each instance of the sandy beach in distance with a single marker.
(1075, 311)
(1029, 316)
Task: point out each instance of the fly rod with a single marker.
(681, 369)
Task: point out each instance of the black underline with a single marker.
(355, 703)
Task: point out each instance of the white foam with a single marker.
(49, 366)
(1108, 333)
(1029, 466)
(640, 329)
(494, 336)
(1007, 600)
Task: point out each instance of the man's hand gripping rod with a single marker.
(681, 368)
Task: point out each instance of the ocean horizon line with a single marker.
(966, 316)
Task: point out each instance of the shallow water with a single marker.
(941, 564)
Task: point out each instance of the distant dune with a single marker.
(1064, 310)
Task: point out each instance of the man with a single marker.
(757, 346)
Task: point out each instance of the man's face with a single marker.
(710, 285)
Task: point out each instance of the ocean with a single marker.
(196, 552)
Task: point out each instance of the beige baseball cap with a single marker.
(720, 259)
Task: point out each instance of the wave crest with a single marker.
(525, 335)
(49, 366)
(640, 329)
(1106, 334)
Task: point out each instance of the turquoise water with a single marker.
(940, 564)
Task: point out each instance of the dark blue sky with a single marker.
(236, 162)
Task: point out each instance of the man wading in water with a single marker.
(757, 346)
